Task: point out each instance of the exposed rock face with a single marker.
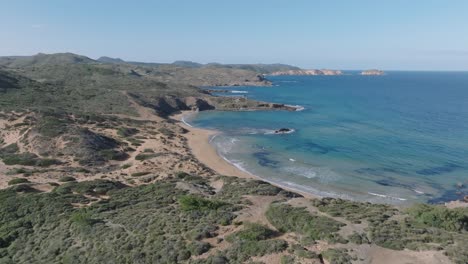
(308, 72)
(167, 105)
(372, 72)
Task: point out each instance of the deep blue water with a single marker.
(398, 138)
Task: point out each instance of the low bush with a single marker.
(142, 156)
(198, 247)
(355, 211)
(440, 217)
(17, 181)
(126, 132)
(126, 166)
(292, 219)
(141, 173)
(191, 203)
(252, 232)
(67, 179)
(338, 256)
(83, 218)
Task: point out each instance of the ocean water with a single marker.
(399, 138)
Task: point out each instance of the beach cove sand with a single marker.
(198, 140)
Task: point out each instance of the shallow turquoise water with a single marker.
(398, 138)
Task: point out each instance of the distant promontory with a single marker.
(372, 72)
(307, 72)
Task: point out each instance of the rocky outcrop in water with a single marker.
(283, 131)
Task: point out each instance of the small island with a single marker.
(373, 72)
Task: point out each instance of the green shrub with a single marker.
(301, 252)
(287, 259)
(67, 179)
(440, 217)
(18, 181)
(197, 247)
(126, 132)
(355, 211)
(253, 232)
(47, 162)
(337, 256)
(244, 250)
(135, 142)
(52, 126)
(24, 159)
(166, 131)
(141, 173)
(191, 203)
(292, 219)
(142, 156)
(111, 154)
(15, 171)
(27, 159)
(358, 239)
(126, 166)
(82, 218)
(10, 149)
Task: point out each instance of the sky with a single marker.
(358, 34)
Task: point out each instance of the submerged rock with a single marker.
(283, 131)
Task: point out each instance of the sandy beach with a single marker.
(198, 140)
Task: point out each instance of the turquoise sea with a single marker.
(398, 138)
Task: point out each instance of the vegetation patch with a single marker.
(52, 125)
(192, 203)
(292, 219)
(67, 179)
(18, 181)
(141, 173)
(252, 232)
(144, 156)
(440, 217)
(355, 211)
(338, 256)
(127, 132)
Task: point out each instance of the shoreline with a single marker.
(199, 140)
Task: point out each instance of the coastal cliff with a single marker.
(307, 72)
(372, 72)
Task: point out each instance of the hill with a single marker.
(42, 59)
(258, 68)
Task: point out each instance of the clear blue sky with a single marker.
(396, 34)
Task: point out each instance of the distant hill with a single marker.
(105, 59)
(261, 68)
(42, 59)
(189, 64)
(258, 68)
